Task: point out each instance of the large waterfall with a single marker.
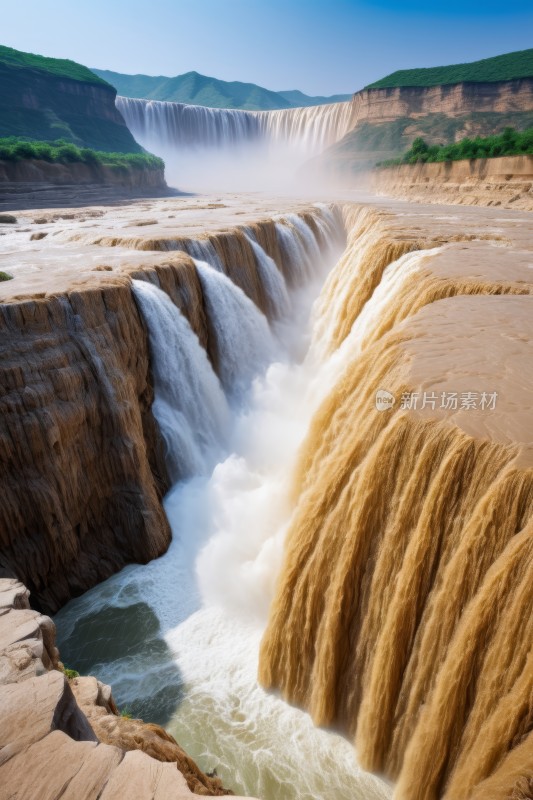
(179, 638)
(222, 144)
(374, 568)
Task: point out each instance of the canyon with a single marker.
(100, 312)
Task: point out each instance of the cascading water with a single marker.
(228, 148)
(244, 343)
(272, 281)
(178, 638)
(192, 413)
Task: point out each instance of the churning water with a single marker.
(178, 638)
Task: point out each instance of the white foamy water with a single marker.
(272, 281)
(178, 638)
(189, 404)
(244, 342)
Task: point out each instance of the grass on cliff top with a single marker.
(62, 152)
(489, 70)
(59, 67)
(508, 143)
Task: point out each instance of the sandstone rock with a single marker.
(94, 698)
(504, 182)
(56, 743)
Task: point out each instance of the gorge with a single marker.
(267, 463)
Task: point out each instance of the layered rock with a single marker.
(33, 171)
(47, 99)
(505, 182)
(386, 121)
(62, 738)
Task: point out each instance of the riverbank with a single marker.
(504, 182)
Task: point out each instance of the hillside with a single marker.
(59, 67)
(47, 99)
(201, 90)
(509, 66)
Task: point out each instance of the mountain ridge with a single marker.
(193, 88)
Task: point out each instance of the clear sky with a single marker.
(317, 46)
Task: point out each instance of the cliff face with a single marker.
(384, 105)
(66, 738)
(386, 121)
(40, 105)
(35, 171)
(79, 454)
(505, 182)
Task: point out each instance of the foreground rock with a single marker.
(61, 739)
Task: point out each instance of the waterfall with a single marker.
(244, 342)
(204, 250)
(213, 149)
(314, 127)
(189, 405)
(295, 255)
(177, 125)
(272, 281)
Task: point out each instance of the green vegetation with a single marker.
(5, 277)
(125, 713)
(200, 90)
(71, 673)
(508, 143)
(500, 68)
(59, 67)
(47, 99)
(63, 152)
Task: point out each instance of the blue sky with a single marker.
(317, 46)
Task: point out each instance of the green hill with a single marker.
(46, 99)
(499, 68)
(59, 67)
(201, 90)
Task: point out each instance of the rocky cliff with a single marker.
(387, 120)
(505, 182)
(48, 99)
(65, 738)
(35, 171)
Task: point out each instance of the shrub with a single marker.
(508, 143)
(62, 152)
